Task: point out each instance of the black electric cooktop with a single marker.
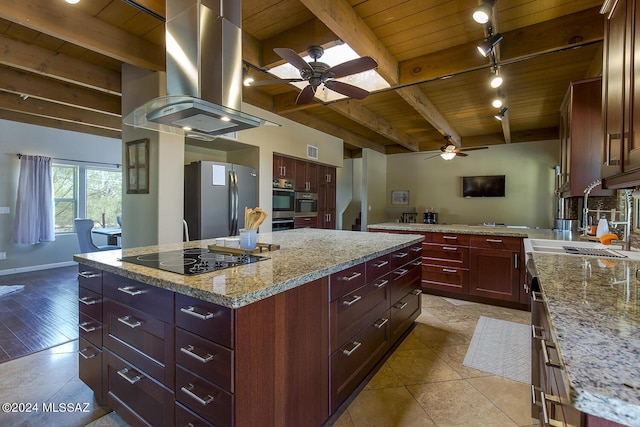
(192, 261)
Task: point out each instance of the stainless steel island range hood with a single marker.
(204, 73)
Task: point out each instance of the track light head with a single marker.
(488, 44)
(482, 14)
(500, 114)
(246, 78)
(495, 79)
(498, 101)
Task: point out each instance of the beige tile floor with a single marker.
(423, 383)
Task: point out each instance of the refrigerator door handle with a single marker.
(233, 215)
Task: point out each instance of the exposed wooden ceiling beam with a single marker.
(298, 38)
(348, 137)
(421, 103)
(366, 118)
(34, 59)
(57, 124)
(35, 86)
(84, 30)
(38, 107)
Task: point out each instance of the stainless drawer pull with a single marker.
(416, 292)
(536, 297)
(131, 380)
(417, 249)
(354, 275)
(494, 240)
(190, 350)
(450, 237)
(400, 305)
(448, 270)
(203, 401)
(545, 355)
(88, 301)
(356, 344)
(381, 283)
(85, 327)
(82, 353)
(354, 299)
(449, 248)
(126, 321)
(380, 264)
(417, 263)
(534, 330)
(130, 290)
(380, 323)
(534, 390)
(401, 255)
(192, 311)
(401, 271)
(88, 274)
(545, 414)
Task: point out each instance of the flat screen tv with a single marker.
(483, 186)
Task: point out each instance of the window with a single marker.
(86, 192)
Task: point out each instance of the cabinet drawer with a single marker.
(405, 278)
(352, 312)
(141, 339)
(205, 358)
(402, 257)
(90, 367)
(347, 280)
(90, 329)
(445, 278)
(415, 251)
(378, 267)
(185, 417)
(450, 239)
(90, 278)
(353, 361)
(403, 313)
(204, 398)
(450, 255)
(152, 300)
(496, 242)
(138, 398)
(90, 303)
(305, 222)
(209, 320)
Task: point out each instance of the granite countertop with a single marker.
(304, 255)
(483, 230)
(594, 306)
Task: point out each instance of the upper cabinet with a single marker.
(621, 100)
(306, 176)
(284, 167)
(580, 138)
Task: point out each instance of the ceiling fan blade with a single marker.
(431, 157)
(346, 89)
(354, 66)
(461, 154)
(273, 82)
(306, 95)
(292, 58)
(472, 148)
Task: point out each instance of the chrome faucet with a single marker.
(585, 209)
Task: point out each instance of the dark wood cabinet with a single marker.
(580, 138)
(90, 329)
(306, 176)
(305, 222)
(445, 261)
(495, 267)
(327, 197)
(621, 107)
(284, 167)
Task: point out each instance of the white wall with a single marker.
(436, 183)
(374, 187)
(37, 140)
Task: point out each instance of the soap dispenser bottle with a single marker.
(603, 227)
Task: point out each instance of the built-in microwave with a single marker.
(306, 204)
(283, 202)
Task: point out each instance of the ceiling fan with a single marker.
(449, 150)
(318, 73)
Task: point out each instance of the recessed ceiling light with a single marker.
(225, 119)
(72, 1)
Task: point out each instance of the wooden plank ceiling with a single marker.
(60, 64)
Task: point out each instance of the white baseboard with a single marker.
(36, 268)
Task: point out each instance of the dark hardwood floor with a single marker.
(42, 315)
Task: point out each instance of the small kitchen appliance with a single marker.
(430, 218)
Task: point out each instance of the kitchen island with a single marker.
(284, 340)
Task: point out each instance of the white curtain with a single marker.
(34, 220)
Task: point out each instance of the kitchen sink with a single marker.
(580, 248)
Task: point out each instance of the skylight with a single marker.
(368, 80)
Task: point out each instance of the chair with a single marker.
(83, 230)
(119, 219)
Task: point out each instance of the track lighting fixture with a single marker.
(495, 80)
(489, 43)
(498, 101)
(500, 114)
(482, 14)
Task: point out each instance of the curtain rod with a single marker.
(78, 161)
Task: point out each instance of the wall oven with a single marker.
(283, 205)
(306, 204)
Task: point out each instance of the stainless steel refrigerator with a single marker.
(215, 195)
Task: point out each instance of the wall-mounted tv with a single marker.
(483, 186)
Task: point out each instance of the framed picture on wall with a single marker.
(137, 166)
(400, 197)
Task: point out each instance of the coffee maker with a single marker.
(430, 218)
